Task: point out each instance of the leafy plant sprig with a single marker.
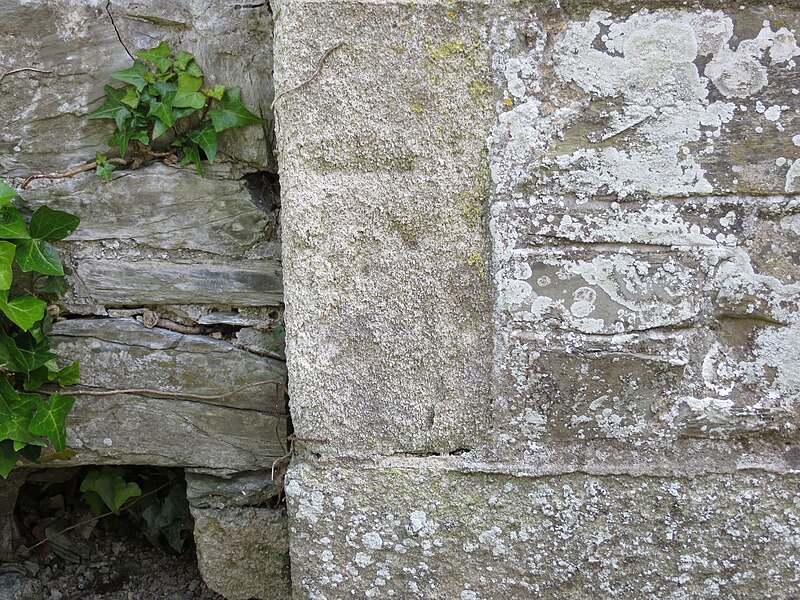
(28, 421)
(166, 104)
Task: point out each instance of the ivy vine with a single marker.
(165, 110)
(31, 275)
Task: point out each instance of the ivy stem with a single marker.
(71, 172)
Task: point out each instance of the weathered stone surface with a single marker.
(417, 529)
(383, 184)
(136, 430)
(44, 128)
(243, 489)
(161, 208)
(675, 315)
(9, 490)
(18, 587)
(148, 282)
(655, 103)
(242, 552)
(124, 354)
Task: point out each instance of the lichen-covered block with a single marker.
(384, 184)
(411, 528)
(612, 260)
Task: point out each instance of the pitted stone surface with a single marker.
(417, 529)
(384, 182)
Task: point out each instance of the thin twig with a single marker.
(22, 69)
(279, 385)
(71, 172)
(107, 514)
(311, 78)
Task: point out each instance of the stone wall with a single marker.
(540, 263)
(542, 298)
(174, 280)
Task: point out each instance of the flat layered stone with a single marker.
(161, 208)
(124, 354)
(127, 429)
(150, 282)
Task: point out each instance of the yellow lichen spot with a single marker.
(476, 261)
(445, 50)
(478, 88)
(417, 108)
(451, 14)
(472, 212)
(508, 102)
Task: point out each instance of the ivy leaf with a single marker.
(105, 171)
(135, 75)
(131, 98)
(159, 56)
(108, 485)
(39, 256)
(8, 457)
(217, 92)
(69, 375)
(34, 379)
(12, 227)
(50, 420)
(51, 225)
(232, 113)
(7, 250)
(113, 107)
(191, 154)
(6, 194)
(164, 88)
(206, 138)
(169, 517)
(120, 139)
(182, 60)
(23, 311)
(188, 95)
(16, 411)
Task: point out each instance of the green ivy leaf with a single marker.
(8, 457)
(7, 250)
(159, 56)
(131, 98)
(135, 75)
(182, 60)
(51, 225)
(163, 88)
(120, 139)
(39, 256)
(191, 154)
(16, 411)
(188, 95)
(69, 375)
(34, 379)
(50, 420)
(232, 113)
(113, 107)
(109, 485)
(169, 517)
(53, 285)
(12, 227)
(6, 194)
(206, 138)
(23, 311)
(217, 92)
(105, 171)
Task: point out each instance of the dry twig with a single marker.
(311, 78)
(70, 173)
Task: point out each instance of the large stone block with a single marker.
(415, 528)
(384, 184)
(242, 552)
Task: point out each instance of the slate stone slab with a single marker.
(150, 282)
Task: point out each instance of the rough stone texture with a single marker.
(638, 437)
(384, 183)
(242, 552)
(414, 529)
(18, 587)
